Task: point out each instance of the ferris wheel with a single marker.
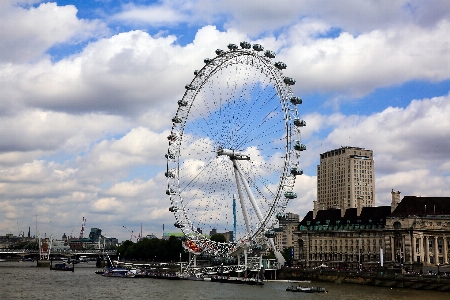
(234, 151)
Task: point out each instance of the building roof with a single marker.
(369, 215)
(422, 206)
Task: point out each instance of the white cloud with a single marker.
(37, 133)
(107, 205)
(28, 32)
(353, 66)
(85, 136)
(162, 14)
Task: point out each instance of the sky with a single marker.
(88, 90)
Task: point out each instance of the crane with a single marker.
(132, 234)
(82, 228)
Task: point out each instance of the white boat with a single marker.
(118, 272)
(306, 289)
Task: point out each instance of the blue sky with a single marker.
(89, 89)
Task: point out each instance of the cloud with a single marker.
(166, 13)
(49, 131)
(352, 66)
(83, 133)
(263, 16)
(27, 32)
(418, 132)
(411, 145)
(107, 205)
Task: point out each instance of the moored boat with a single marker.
(237, 280)
(306, 289)
(118, 272)
(62, 267)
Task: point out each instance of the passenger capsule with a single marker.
(245, 45)
(258, 47)
(169, 174)
(281, 216)
(182, 103)
(296, 100)
(220, 52)
(172, 137)
(232, 47)
(299, 123)
(289, 80)
(270, 234)
(189, 87)
(196, 72)
(299, 147)
(178, 225)
(207, 60)
(170, 192)
(173, 209)
(169, 156)
(176, 120)
(295, 171)
(290, 195)
(257, 247)
(280, 65)
(269, 54)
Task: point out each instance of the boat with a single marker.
(195, 277)
(237, 280)
(118, 272)
(138, 273)
(62, 267)
(306, 289)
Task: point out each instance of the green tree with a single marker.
(153, 249)
(123, 250)
(287, 255)
(218, 238)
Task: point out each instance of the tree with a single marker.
(123, 249)
(220, 238)
(152, 249)
(287, 255)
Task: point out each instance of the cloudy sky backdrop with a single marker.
(88, 90)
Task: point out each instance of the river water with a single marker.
(22, 280)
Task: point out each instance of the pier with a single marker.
(381, 277)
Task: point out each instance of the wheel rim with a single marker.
(238, 101)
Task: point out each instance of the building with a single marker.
(228, 234)
(285, 237)
(342, 238)
(95, 234)
(410, 234)
(345, 179)
(418, 231)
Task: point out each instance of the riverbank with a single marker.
(384, 278)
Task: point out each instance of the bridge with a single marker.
(72, 253)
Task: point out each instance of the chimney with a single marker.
(358, 206)
(395, 199)
(315, 209)
(343, 209)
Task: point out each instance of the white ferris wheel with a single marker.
(234, 151)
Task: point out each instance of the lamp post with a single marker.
(438, 265)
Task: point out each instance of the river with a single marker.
(22, 280)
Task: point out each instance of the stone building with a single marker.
(411, 233)
(342, 238)
(285, 236)
(346, 178)
(418, 231)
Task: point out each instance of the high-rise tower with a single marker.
(346, 179)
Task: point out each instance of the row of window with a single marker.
(352, 249)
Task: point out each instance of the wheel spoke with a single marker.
(233, 131)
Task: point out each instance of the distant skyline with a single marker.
(88, 90)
